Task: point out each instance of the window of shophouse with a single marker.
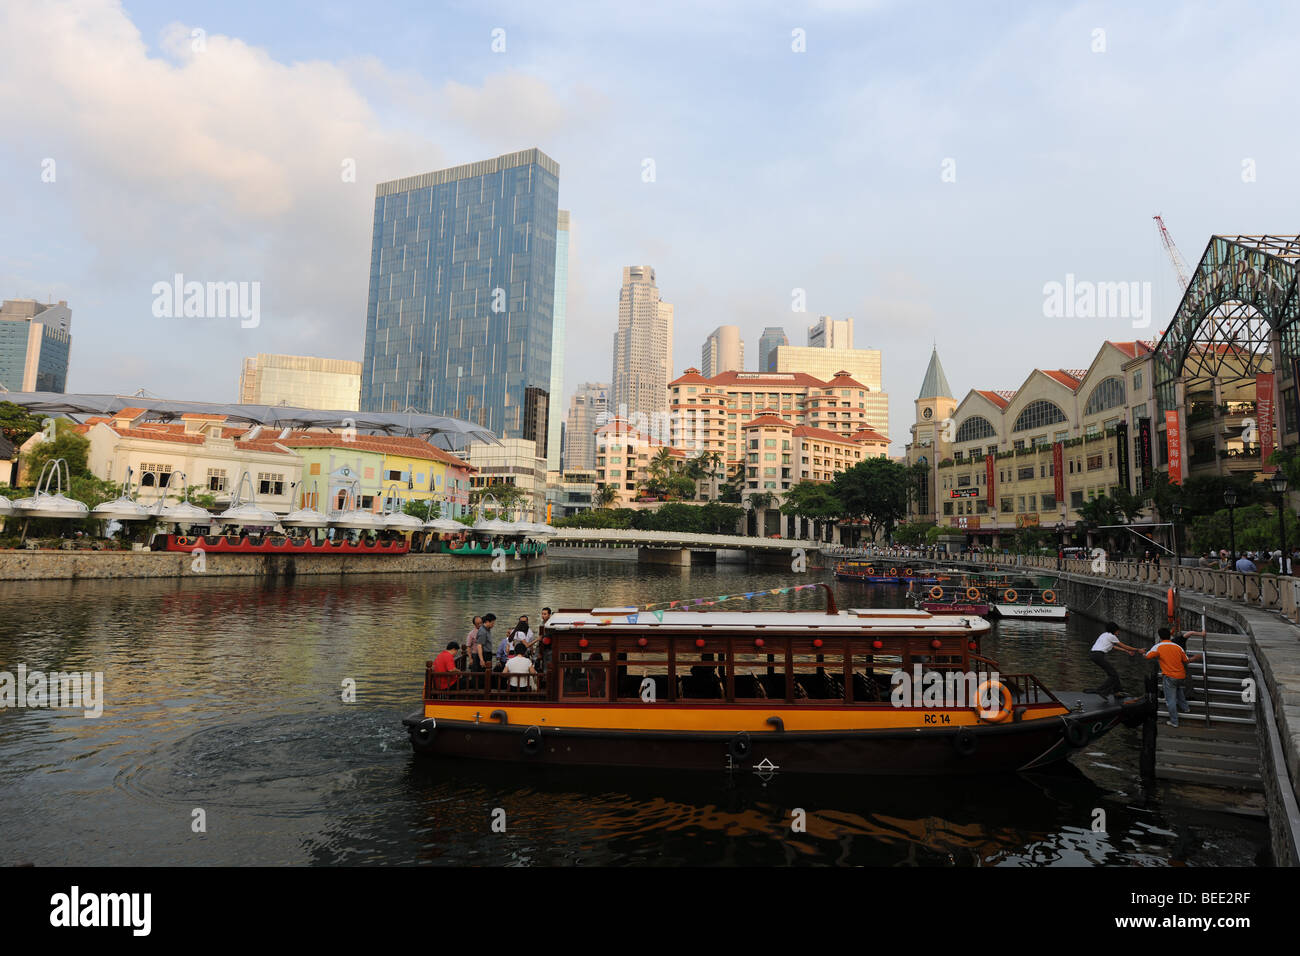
(991, 450)
(981, 507)
(1060, 436)
(1020, 502)
(1026, 473)
(1006, 506)
(963, 481)
(1094, 462)
(216, 479)
(1033, 503)
(1076, 499)
(1018, 444)
(947, 507)
(1137, 379)
(1049, 502)
(958, 456)
(155, 475)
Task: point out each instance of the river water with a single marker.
(223, 714)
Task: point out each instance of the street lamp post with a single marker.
(1278, 483)
(1178, 542)
(1230, 499)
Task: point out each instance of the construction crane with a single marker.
(1176, 257)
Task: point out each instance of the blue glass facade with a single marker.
(51, 362)
(459, 319)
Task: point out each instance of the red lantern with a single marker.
(699, 642)
(641, 642)
(877, 644)
(972, 646)
(936, 643)
(817, 642)
(758, 642)
(583, 642)
(546, 641)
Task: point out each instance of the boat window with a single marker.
(584, 674)
(642, 674)
(759, 676)
(818, 677)
(872, 675)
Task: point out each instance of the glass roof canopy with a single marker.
(450, 434)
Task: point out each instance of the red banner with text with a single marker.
(1266, 414)
(1058, 471)
(988, 478)
(1174, 442)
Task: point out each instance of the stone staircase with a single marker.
(1222, 751)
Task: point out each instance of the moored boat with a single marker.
(797, 691)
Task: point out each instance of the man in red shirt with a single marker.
(444, 663)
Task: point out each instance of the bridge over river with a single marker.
(686, 548)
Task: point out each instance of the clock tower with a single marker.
(931, 436)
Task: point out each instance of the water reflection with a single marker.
(225, 695)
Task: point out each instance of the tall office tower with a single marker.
(828, 333)
(588, 410)
(35, 343)
(553, 441)
(301, 381)
(643, 347)
(724, 351)
(460, 316)
(768, 343)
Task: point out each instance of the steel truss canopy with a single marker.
(1242, 297)
(450, 434)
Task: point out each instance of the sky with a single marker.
(928, 169)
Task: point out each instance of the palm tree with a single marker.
(761, 501)
(605, 496)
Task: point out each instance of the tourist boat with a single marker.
(889, 572)
(1022, 596)
(819, 691)
(276, 544)
(955, 597)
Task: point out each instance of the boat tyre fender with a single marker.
(532, 742)
(739, 746)
(423, 734)
(964, 743)
(1076, 735)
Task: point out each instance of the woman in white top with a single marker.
(520, 669)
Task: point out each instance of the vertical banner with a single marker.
(1265, 415)
(1058, 471)
(1121, 455)
(1174, 443)
(988, 481)
(1144, 452)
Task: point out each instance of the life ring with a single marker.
(964, 743)
(893, 572)
(936, 592)
(182, 540)
(908, 571)
(1006, 708)
(870, 569)
(972, 594)
(1171, 604)
(739, 746)
(532, 742)
(1049, 596)
(1010, 595)
(1075, 733)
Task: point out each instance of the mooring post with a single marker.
(1147, 763)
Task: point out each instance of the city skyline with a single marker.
(292, 211)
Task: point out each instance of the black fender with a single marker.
(532, 742)
(1076, 734)
(739, 746)
(964, 742)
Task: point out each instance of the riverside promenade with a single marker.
(1259, 611)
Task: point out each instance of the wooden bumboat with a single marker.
(273, 544)
(794, 691)
(890, 573)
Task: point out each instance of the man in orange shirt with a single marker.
(1173, 665)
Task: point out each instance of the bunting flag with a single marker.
(658, 609)
(631, 618)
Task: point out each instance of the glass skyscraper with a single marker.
(557, 343)
(459, 319)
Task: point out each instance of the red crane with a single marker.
(1176, 257)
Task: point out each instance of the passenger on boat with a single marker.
(472, 647)
(445, 663)
(520, 669)
(485, 637)
(522, 632)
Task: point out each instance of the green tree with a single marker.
(917, 533)
(17, 424)
(813, 501)
(68, 444)
(604, 496)
(507, 496)
(875, 491)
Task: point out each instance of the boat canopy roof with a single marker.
(854, 621)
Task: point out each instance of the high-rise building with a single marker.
(772, 337)
(863, 365)
(724, 351)
(301, 381)
(35, 343)
(588, 410)
(643, 348)
(555, 426)
(460, 315)
(828, 333)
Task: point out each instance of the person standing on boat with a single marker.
(1103, 646)
(473, 649)
(1173, 667)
